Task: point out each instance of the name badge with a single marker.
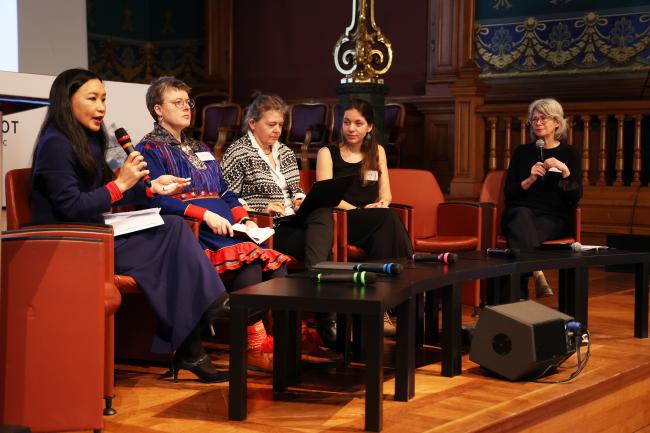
(205, 156)
(372, 175)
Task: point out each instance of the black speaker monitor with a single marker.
(521, 339)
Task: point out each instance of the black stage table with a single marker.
(574, 278)
(286, 296)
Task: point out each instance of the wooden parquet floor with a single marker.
(610, 395)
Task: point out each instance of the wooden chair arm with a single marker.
(406, 214)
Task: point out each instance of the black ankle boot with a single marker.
(201, 367)
(327, 331)
(219, 309)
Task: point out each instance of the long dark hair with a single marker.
(60, 115)
(369, 147)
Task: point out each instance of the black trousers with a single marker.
(525, 228)
(309, 239)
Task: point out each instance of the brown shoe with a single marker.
(390, 330)
(315, 354)
(542, 289)
(260, 361)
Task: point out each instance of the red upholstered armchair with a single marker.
(307, 130)
(221, 126)
(52, 335)
(17, 191)
(439, 226)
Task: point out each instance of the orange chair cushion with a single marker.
(439, 244)
(503, 243)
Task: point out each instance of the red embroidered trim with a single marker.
(114, 191)
(195, 211)
(234, 256)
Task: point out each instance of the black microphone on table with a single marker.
(510, 253)
(361, 278)
(440, 258)
(382, 268)
(125, 141)
(576, 247)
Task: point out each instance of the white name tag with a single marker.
(372, 175)
(205, 156)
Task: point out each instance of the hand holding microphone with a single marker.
(135, 162)
(540, 148)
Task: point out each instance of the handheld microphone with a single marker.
(511, 253)
(125, 141)
(442, 257)
(385, 268)
(362, 278)
(576, 247)
(540, 146)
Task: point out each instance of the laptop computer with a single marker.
(324, 193)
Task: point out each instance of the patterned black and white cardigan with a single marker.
(249, 176)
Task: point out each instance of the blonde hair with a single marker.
(549, 107)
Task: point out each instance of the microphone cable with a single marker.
(580, 365)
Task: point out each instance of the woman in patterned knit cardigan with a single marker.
(264, 172)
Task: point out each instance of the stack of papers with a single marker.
(128, 222)
(259, 234)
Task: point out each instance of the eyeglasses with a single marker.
(180, 103)
(543, 119)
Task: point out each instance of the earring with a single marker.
(160, 119)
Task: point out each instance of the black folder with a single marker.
(324, 193)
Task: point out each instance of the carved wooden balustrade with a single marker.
(613, 138)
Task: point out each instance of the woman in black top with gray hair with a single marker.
(543, 184)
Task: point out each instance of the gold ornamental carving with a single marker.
(363, 54)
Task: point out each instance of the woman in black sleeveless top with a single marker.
(371, 225)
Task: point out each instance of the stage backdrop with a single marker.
(520, 37)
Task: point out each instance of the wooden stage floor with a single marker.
(612, 393)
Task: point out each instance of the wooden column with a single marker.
(442, 50)
(492, 158)
(508, 144)
(219, 45)
(469, 93)
(602, 154)
(636, 156)
(585, 149)
(618, 165)
(522, 129)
